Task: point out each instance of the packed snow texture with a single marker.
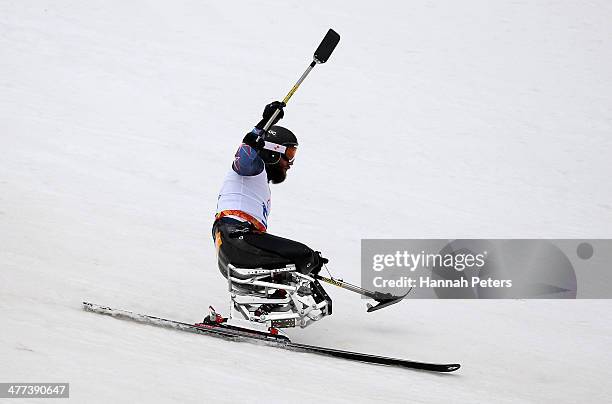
(431, 119)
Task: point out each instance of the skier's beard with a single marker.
(276, 174)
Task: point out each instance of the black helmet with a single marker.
(280, 136)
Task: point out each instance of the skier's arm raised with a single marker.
(246, 160)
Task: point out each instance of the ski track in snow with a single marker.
(119, 121)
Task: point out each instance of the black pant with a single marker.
(245, 247)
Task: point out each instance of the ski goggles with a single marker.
(289, 154)
(286, 152)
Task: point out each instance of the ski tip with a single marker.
(452, 367)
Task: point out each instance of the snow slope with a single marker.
(118, 121)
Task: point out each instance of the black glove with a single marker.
(256, 142)
(269, 111)
(322, 259)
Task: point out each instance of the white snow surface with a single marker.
(118, 121)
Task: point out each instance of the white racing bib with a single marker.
(248, 194)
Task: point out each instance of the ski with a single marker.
(215, 330)
(374, 359)
(221, 330)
